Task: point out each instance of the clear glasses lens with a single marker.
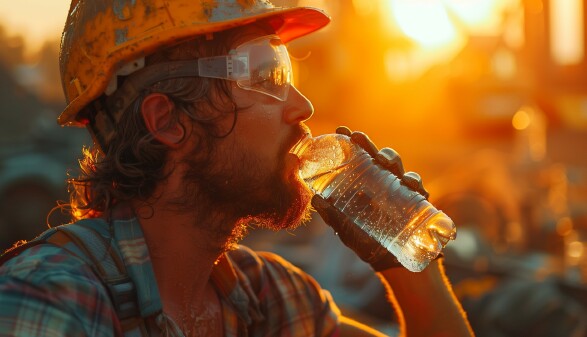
(269, 67)
(260, 65)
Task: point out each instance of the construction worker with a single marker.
(193, 114)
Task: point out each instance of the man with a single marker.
(193, 113)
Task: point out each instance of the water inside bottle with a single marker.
(321, 161)
(333, 169)
(423, 238)
(396, 217)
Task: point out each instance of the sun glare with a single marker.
(477, 15)
(425, 21)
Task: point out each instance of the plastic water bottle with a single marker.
(401, 220)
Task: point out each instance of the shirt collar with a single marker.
(235, 289)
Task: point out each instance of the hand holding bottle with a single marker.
(371, 203)
(387, 158)
(366, 248)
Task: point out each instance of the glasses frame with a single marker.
(236, 66)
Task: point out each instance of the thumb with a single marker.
(328, 213)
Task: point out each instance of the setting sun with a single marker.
(438, 28)
(425, 21)
(436, 22)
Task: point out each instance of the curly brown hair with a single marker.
(133, 164)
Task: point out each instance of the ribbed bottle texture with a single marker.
(401, 220)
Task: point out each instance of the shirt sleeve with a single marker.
(292, 302)
(45, 291)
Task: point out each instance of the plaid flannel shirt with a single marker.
(46, 291)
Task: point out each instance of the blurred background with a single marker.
(486, 99)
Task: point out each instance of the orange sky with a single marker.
(36, 20)
(42, 19)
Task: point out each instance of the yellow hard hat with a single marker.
(101, 36)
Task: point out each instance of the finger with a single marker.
(353, 237)
(364, 142)
(391, 161)
(414, 182)
(346, 230)
(319, 203)
(328, 213)
(343, 130)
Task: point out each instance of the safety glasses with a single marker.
(260, 65)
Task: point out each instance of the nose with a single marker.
(297, 107)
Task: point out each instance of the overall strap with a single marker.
(100, 254)
(89, 240)
(22, 245)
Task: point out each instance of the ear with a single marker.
(157, 110)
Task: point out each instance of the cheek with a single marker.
(255, 138)
(260, 129)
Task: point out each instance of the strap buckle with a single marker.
(124, 297)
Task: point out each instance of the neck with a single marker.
(183, 246)
(182, 253)
(184, 242)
